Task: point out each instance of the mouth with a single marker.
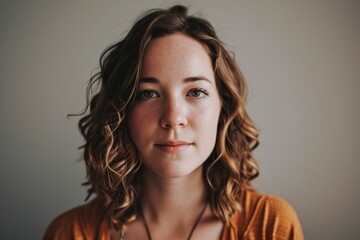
(173, 146)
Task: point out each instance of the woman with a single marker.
(169, 143)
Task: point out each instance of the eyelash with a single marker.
(201, 90)
(141, 93)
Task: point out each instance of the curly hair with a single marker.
(112, 160)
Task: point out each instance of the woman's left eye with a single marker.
(198, 92)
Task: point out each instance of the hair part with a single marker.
(112, 160)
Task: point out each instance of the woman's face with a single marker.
(173, 122)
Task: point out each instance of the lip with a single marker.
(173, 146)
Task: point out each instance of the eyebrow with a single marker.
(186, 80)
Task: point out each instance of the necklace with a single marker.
(192, 229)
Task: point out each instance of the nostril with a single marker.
(174, 114)
(174, 124)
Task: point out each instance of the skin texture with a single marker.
(173, 124)
(174, 120)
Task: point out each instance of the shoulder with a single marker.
(86, 221)
(268, 217)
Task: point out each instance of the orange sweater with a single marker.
(263, 217)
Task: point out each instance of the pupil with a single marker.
(148, 94)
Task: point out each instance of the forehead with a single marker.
(177, 54)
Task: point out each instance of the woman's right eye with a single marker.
(147, 94)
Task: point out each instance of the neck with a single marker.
(164, 198)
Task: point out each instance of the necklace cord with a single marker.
(197, 220)
(145, 223)
(192, 229)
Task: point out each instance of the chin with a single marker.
(177, 171)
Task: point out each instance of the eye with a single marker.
(147, 94)
(197, 92)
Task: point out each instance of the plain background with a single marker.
(302, 63)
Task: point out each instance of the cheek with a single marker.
(138, 123)
(206, 126)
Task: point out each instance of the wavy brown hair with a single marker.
(113, 162)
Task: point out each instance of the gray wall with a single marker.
(302, 61)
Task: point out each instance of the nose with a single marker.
(174, 114)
